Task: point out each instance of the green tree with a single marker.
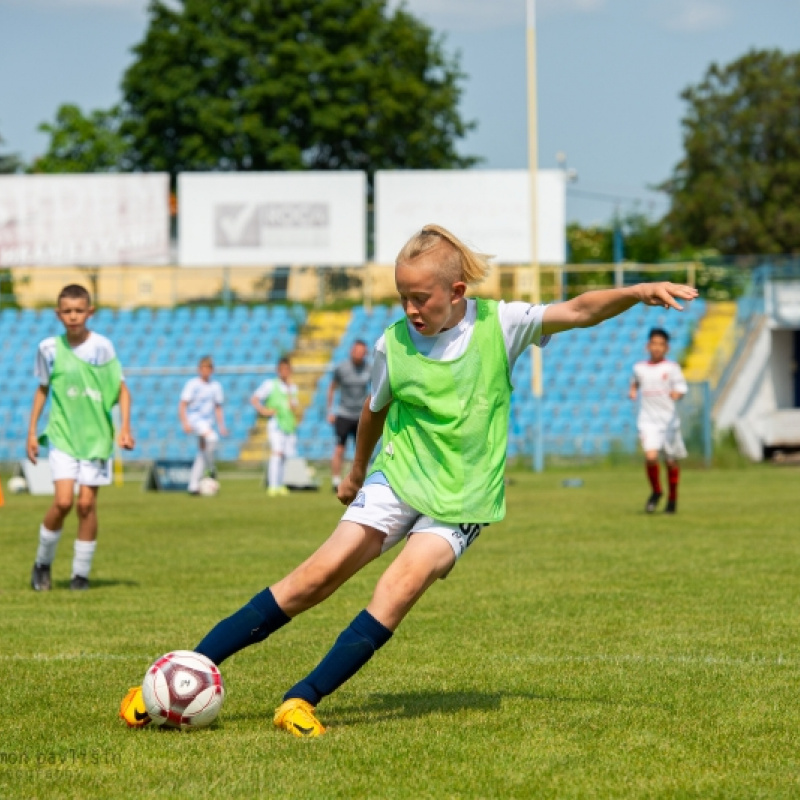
(737, 188)
(10, 162)
(289, 84)
(81, 143)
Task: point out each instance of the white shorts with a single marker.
(377, 506)
(204, 430)
(661, 437)
(97, 472)
(280, 442)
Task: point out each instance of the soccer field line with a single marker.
(73, 657)
(699, 660)
(594, 658)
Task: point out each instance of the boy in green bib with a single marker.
(441, 392)
(277, 400)
(81, 374)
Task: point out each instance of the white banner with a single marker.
(272, 218)
(488, 209)
(108, 219)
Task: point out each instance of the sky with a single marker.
(610, 74)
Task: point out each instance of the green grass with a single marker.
(580, 649)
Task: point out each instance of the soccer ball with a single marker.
(183, 689)
(17, 485)
(208, 487)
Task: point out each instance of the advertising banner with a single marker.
(487, 209)
(84, 220)
(272, 218)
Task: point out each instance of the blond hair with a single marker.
(459, 263)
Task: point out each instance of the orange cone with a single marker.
(2, 501)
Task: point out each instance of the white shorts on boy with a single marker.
(377, 506)
(281, 442)
(95, 472)
(204, 431)
(663, 438)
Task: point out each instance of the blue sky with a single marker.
(610, 75)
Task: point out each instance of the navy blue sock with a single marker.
(250, 624)
(354, 647)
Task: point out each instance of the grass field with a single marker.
(580, 649)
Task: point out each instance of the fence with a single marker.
(126, 287)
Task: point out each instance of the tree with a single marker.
(10, 162)
(643, 241)
(737, 188)
(80, 143)
(288, 84)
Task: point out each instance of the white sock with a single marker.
(198, 470)
(210, 451)
(48, 541)
(336, 480)
(82, 561)
(275, 472)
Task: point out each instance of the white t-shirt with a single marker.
(521, 324)
(201, 398)
(655, 382)
(96, 350)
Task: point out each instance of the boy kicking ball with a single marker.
(660, 384)
(83, 377)
(441, 394)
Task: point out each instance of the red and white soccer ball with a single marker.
(183, 689)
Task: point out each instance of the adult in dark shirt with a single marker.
(351, 379)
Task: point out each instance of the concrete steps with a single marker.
(713, 343)
(317, 340)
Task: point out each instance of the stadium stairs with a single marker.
(713, 344)
(311, 358)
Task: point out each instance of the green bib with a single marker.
(278, 401)
(81, 399)
(445, 435)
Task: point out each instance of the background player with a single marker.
(351, 378)
(660, 384)
(200, 405)
(81, 372)
(276, 399)
(441, 393)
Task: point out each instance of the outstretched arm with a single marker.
(592, 308)
(370, 428)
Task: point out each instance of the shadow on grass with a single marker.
(98, 583)
(412, 705)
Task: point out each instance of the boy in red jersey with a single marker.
(659, 384)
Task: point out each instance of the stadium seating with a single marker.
(586, 374)
(159, 351)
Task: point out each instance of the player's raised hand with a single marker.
(32, 447)
(664, 294)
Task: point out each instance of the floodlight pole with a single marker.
(536, 289)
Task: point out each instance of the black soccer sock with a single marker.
(250, 624)
(354, 647)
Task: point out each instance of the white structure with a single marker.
(761, 399)
(272, 218)
(489, 209)
(98, 219)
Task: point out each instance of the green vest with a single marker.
(278, 401)
(82, 396)
(445, 435)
